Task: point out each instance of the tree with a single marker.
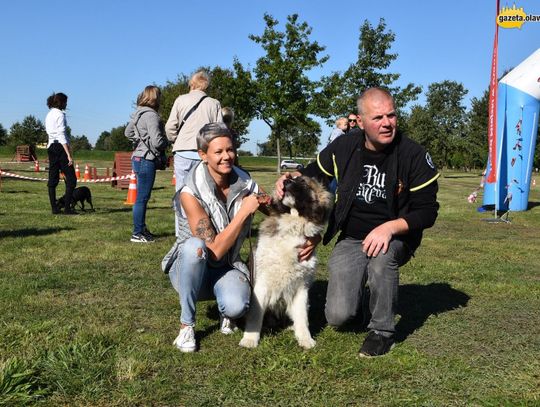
(102, 140)
(3, 135)
(31, 131)
(235, 88)
(477, 130)
(115, 140)
(439, 126)
(170, 92)
(118, 141)
(339, 92)
(80, 143)
(285, 93)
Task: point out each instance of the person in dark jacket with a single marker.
(386, 196)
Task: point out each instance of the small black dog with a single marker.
(80, 195)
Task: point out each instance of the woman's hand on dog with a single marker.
(250, 203)
(279, 183)
(307, 249)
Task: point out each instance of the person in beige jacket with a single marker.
(184, 136)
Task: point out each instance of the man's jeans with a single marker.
(182, 166)
(349, 268)
(194, 280)
(145, 170)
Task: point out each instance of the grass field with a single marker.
(88, 318)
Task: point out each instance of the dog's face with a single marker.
(307, 196)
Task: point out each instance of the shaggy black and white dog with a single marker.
(281, 280)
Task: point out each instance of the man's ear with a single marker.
(202, 154)
(359, 121)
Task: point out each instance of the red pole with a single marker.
(492, 108)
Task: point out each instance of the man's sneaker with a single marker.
(185, 341)
(140, 238)
(149, 235)
(376, 345)
(226, 326)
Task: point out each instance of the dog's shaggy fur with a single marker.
(281, 281)
(80, 195)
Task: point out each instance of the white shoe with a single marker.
(226, 326)
(185, 341)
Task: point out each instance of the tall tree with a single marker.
(477, 129)
(31, 131)
(80, 143)
(235, 88)
(285, 93)
(439, 126)
(3, 135)
(102, 140)
(169, 92)
(339, 92)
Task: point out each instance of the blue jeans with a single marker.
(194, 280)
(349, 269)
(182, 166)
(145, 170)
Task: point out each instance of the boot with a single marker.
(52, 199)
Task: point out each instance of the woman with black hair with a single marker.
(59, 152)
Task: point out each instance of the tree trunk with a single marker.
(278, 155)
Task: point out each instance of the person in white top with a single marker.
(59, 152)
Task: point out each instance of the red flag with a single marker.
(492, 108)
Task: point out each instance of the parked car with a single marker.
(285, 164)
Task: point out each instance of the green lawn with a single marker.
(88, 318)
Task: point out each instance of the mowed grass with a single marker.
(88, 318)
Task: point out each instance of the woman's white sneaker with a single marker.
(185, 341)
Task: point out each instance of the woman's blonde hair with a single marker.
(199, 81)
(150, 96)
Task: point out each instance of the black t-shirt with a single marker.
(369, 208)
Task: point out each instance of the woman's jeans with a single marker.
(194, 280)
(182, 166)
(145, 170)
(349, 269)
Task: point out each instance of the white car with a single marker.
(285, 164)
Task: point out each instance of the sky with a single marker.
(102, 53)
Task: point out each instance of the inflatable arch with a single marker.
(518, 107)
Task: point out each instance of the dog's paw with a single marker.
(307, 343)
(249, 342)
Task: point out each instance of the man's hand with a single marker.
(306, 250)
(280, 180)
(379, 238)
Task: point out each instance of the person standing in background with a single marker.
(190, 112)
(146, 132)
(342, 127)
(59, 152)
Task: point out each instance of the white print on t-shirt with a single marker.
(373, 186)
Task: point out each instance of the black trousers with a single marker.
(58, 161)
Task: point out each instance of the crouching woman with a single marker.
(214, 217)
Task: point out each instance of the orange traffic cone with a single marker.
(36, 166)
(86, 173)
(132, 191)
(77, 171)
(173, 181)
